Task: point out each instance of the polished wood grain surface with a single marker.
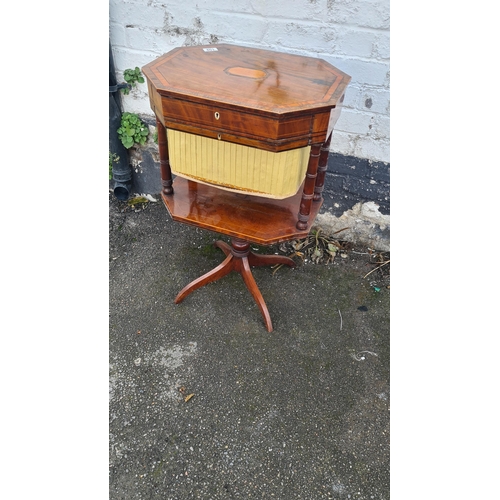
(242, 77)
(259, 220)
(254, 97)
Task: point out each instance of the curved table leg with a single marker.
(269, 260)
(239, 258)
(254, 290)
(223, 246)
(255, 259)
(221, 270)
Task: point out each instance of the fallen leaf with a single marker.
(187, 398)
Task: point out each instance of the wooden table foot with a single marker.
(249, 280)
(220, 271)
(239, 258)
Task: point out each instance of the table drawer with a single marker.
(241, 123)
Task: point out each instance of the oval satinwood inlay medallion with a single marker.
(256, 74)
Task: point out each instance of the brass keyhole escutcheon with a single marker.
(217, 115)
(219, 136)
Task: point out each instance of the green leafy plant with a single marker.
(113, 158)
(132, 130)
(132, 76)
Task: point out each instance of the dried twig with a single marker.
(382, 265)
(276, 267)
(340, 319)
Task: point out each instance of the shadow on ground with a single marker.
(206, 404)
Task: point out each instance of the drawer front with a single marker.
(236, 123)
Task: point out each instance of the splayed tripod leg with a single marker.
(220, 271)
(239, 258)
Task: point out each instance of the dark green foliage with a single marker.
(132, 130)
(132, 76)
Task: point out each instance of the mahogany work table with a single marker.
(243, 137)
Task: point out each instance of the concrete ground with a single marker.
(205, 403)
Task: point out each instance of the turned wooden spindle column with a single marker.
(165, 171)
(322, 167)
(308, 191)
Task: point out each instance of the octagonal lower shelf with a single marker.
(259, 220)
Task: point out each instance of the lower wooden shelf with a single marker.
(259, 220)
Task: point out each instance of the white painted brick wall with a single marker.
(353, 35)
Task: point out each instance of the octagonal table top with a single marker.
(274, 83)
